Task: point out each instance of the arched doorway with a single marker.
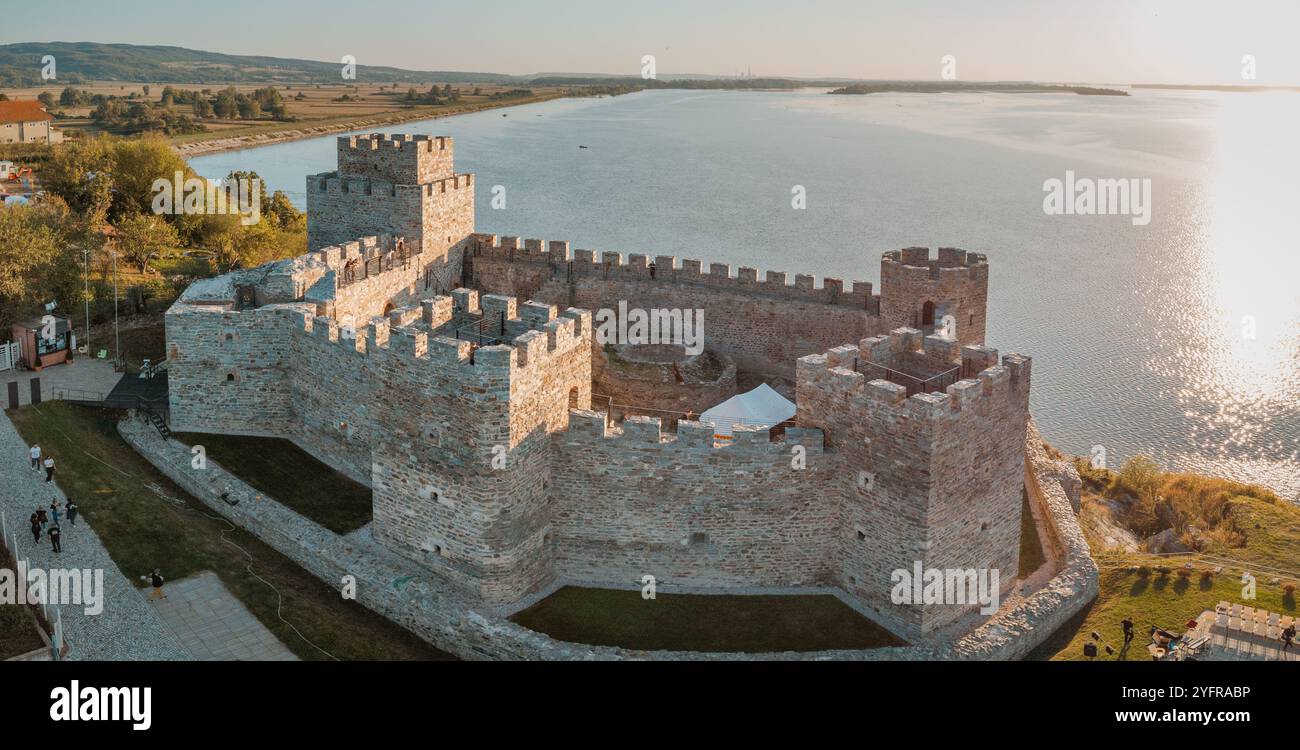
(927, 314)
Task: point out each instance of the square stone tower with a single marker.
(401, 185)
(931, 436)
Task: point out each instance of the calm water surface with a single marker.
(1141, 335)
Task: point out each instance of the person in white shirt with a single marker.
(36, 457)
(49, 469)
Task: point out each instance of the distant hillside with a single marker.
(78, 62)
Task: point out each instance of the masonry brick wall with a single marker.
(955, 282)
(764, 325)
(634, 502)
(487, 466)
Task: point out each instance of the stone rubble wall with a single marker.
(940, 471)
(955, 281)
(633, 501)
(440, 613)
(764, 325)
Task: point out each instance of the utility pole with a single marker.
(117, 338)
(85, 249)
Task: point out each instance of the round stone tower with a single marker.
(948, 294)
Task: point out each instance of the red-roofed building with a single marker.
(26, 121)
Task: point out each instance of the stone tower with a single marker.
(931, 436)
(917, 291)
(401, 185)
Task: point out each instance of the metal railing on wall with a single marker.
(934, 384)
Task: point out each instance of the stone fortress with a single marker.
(452, 372)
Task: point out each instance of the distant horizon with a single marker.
(1158, 42)
(682, 75)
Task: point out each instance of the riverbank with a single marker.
(262, 135)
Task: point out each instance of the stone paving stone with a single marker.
(127, 629)
(214, 625)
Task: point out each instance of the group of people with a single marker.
(40, 520)
(47, 523)
(37, 464)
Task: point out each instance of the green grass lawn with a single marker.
(292, 476)
(142, 531)
(1170, 600)
(690, 622)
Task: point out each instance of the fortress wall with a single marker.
(231, 371)
(979, 468)
(942, 471)
(447, 210)
(402, 159)
(632, 502)
(955, 281)
(461, 462)
(435, 218)
(343, 208)
(335, 381)
(764, 325)
(882, 443)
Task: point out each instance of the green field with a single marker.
(142, 530)
(690, 622)
(292, 476)
(1134, 585)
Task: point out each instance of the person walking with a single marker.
(35, 453)
(36, 529)
(42, 518)
(54, 510)
(55, 536)
(1128, 630)
(156, 580)
(49, 469)
(72, 512)
(1288, 636)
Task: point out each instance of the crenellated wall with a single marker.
(635, 501)
(954, 283)
(468, 409)
(399, 185)
(934, 477)
(764, 324)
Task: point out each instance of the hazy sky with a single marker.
(1102, 41)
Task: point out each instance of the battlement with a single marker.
(666, 269)
(841, 374)
(950, 262)
(427, 333)
(331, 183)
(399, 141)
(399, 159)
(692, 436)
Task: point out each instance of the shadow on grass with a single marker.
(697, 622)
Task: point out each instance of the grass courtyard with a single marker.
(290, 475)
(142, 530)
(690, 622)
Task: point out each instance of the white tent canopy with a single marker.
(761, 407)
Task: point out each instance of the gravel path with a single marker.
(128, 628)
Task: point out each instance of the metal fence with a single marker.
(914, 385)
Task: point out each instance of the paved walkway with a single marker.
(127, 628)
(213, 625)
(86, 374)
